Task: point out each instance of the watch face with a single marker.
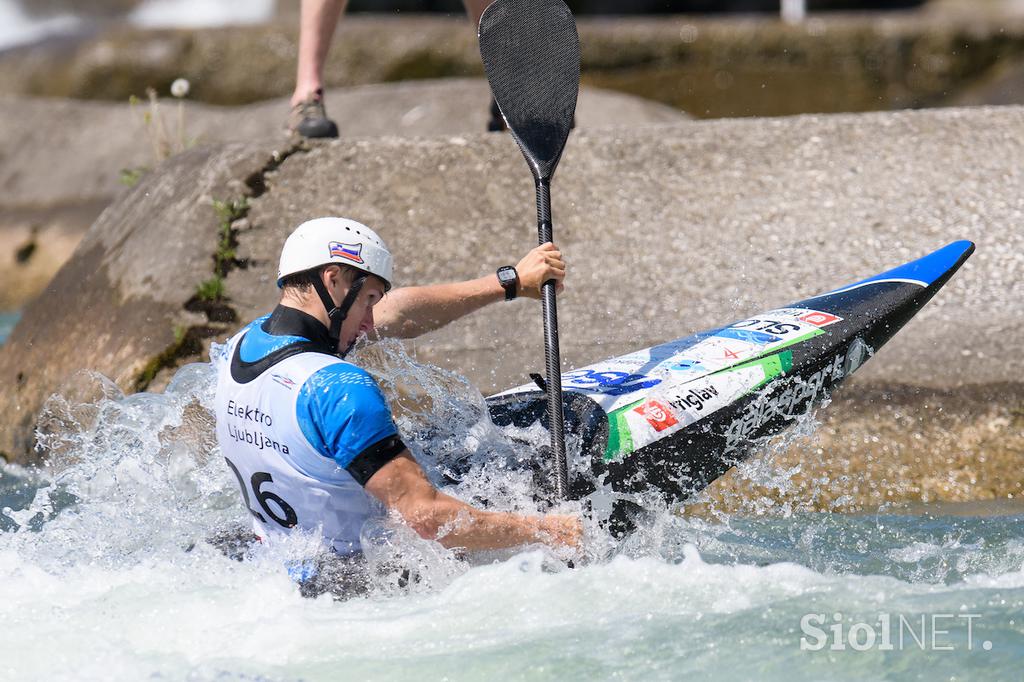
(506, 275)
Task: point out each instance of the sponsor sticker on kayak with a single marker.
(748, 335)
(818, 319)
(739, 342)
(607, 382)
(670, 408)
(792, 397)
(657, 415)
(625, 381)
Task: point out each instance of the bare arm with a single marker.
(402, 486)
(411, 311)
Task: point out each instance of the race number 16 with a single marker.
(289, 520)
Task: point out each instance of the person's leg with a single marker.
(316, 29)
(317, 22)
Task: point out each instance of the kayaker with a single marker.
(309, 436)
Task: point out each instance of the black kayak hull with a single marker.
(676, 416)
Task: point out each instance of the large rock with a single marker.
(64, 160)
(677, 228)
(34, 242)
(62, 151)
(119, 305)
(668, 229)
(1004, 85)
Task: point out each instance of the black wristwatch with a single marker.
(508, 278)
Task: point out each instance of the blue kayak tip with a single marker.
(924, 271)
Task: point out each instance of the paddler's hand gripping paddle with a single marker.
(531, 53)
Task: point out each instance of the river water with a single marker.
(7, 322)
(21, 23)
(106, 572)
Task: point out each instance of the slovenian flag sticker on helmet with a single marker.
(350, 252)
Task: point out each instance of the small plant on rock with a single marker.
(163, 144)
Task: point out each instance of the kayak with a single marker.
(676, 416)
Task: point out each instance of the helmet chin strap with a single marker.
(337, 313)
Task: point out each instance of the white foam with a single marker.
(122, 586)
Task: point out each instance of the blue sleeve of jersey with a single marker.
(342, 412)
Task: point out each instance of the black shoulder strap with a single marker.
(243, 372)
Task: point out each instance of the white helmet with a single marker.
(335, 240)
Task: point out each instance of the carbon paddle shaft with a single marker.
(531, 53)
(552, 355)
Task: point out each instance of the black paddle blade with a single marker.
(531, 53)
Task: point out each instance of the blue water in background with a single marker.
(7, 322)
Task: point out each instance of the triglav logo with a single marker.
(657, 415)
(891, 632)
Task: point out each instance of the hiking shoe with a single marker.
(308, 118)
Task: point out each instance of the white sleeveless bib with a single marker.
(284, 481)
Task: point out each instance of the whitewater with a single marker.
(20, 26)
(113, 567)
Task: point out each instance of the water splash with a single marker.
(109, 541)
